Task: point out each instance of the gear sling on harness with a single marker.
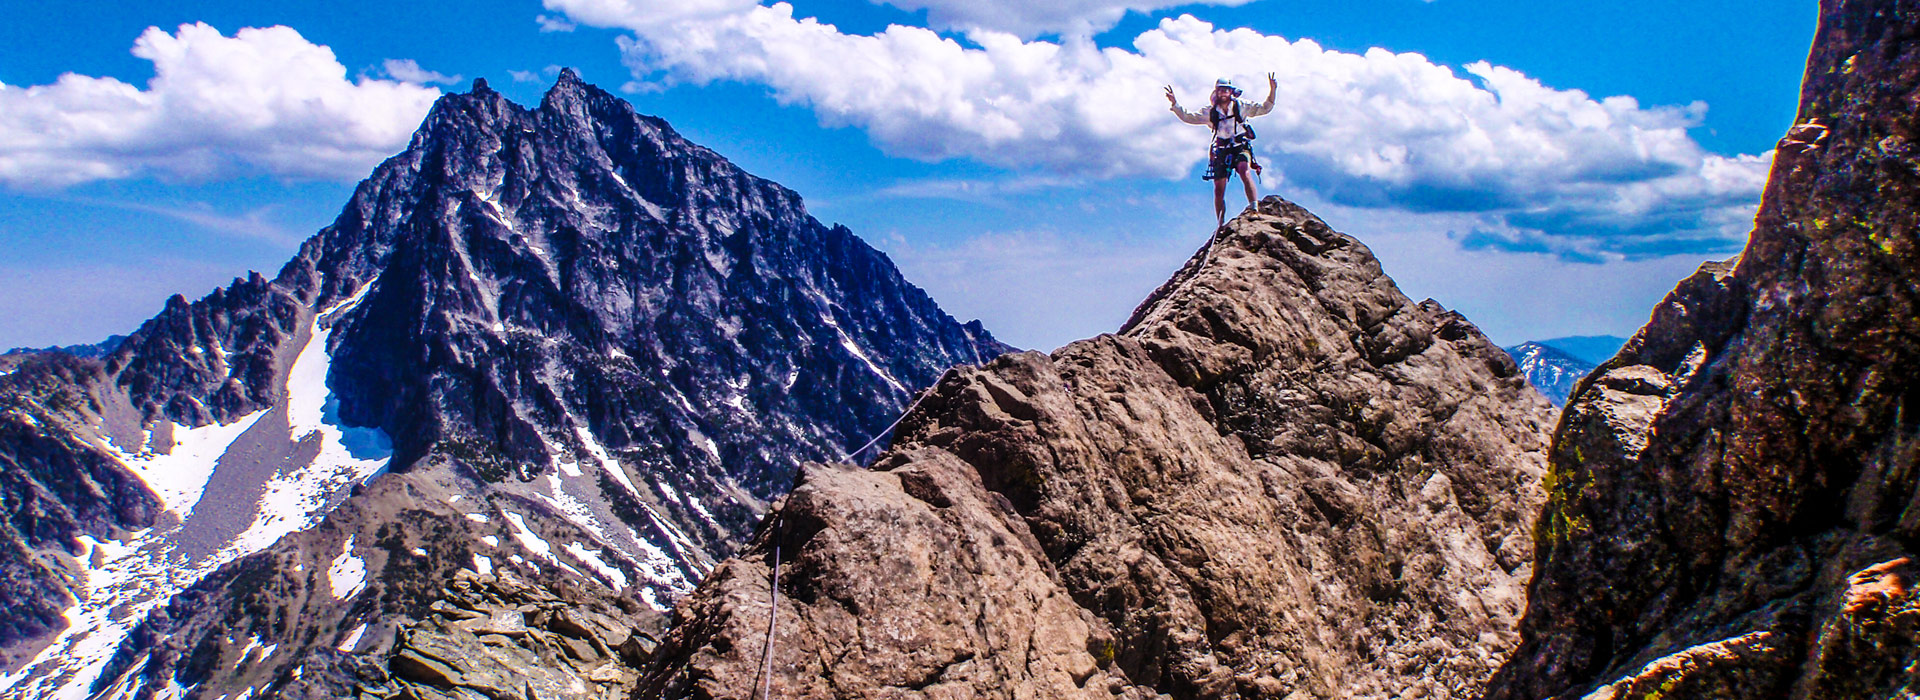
(1224, 153)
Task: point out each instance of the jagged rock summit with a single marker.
(579, 353)
(1282, 478)
(1734, 500)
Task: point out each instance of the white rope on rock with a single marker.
(773, 617)
(773, 591)
(896, 423)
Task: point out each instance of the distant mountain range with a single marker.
(95, 350)
(1591, 349)
(1554, 366)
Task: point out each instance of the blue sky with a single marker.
(1549, 169)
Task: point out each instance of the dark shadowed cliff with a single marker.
(1734, 501)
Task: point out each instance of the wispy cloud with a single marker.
(255, 224)
(408, 71)
(85, 303)
(1512, 294)
(1037, 289)
(546, 74)
(977, 191)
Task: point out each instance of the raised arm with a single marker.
(1254, 110)
(1184, 115)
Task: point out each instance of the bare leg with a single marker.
(1246, 180)
(1220, 201)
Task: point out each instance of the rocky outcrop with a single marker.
(498, 636)
(1282, 478)
(210, 361)
(1731, 499)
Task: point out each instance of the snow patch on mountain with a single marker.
(575, 510)
(296, 499)
(93, 630)
(179, 475)
(1552, 371)
(532, 542)
(600, 566)
(353, 638)
(606, 461)
(348, 574)
(126, 579)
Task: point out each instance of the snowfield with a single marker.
(126, 579)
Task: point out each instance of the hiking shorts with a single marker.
(1225, 156)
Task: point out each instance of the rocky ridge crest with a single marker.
(1282, 478)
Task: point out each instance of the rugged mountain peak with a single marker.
(1730, 509)
(210, 361)
(1283, 476)
(591, 345)
(567, 84)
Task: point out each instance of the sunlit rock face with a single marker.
(1282, 478)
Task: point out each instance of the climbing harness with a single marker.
(1221, 153)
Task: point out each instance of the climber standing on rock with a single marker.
(1232, 149)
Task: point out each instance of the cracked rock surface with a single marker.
(498, 636)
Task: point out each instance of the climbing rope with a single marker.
(895, 424)
(773, 616)
(773, 591)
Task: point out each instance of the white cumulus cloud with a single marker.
(1376, 129)
(263, 100)
(1029, 19)
(652, 14)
